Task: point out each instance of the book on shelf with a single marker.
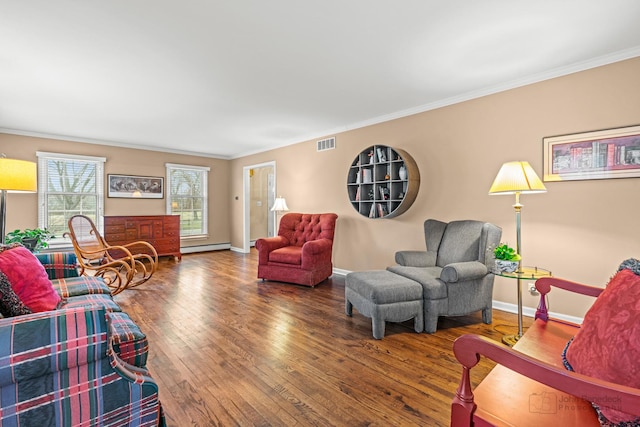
(382, 210)
(367, 176)
(358, 194)
(378, 210)
(381, 155)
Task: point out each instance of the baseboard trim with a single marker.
(204, 248)
(531, 312)
(340, 272)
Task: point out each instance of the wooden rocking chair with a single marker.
(121, 267)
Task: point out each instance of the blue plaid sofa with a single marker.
(82, 364)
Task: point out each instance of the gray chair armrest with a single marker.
(463, 271)
(416, 258)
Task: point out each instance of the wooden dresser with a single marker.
(162, 231)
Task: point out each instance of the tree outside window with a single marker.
(69, 185)
(187, 197)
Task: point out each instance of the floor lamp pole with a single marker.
(518, 208)
(3, 212)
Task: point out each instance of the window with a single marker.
(69, 185)
(187, 197)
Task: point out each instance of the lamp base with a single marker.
(510, 340)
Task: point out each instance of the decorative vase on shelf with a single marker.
(402, 172)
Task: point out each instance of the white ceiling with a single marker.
(235, 77)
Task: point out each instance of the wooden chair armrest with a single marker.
(99, 251)
(468, 349)
(543, 285)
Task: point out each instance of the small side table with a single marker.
(524, 273)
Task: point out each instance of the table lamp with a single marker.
(15, 176)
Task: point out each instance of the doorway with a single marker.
(259, 196)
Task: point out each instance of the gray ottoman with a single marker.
(384, 297)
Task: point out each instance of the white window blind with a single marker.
(69, 185)
(187, 196)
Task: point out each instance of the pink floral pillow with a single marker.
(608, 343)
(28, 279)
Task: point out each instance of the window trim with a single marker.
(205, 189)
(43, 177)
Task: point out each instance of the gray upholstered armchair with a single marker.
(455, 270)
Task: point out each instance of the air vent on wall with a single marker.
(326, 144)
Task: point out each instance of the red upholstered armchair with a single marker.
(301, 252)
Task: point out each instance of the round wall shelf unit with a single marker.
(382, 182)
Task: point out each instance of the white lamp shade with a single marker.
(517, 177)
(280, 205)
(18, 175)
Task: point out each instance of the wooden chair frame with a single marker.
(120, 266)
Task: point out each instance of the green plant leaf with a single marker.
(41, 235)
(506, 253)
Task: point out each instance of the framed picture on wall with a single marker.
(602, 154)
(132, 186)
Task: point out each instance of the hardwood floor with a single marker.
(230, 350)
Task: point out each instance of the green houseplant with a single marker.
(33, 239)
(507, 258)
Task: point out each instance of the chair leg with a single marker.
(418, 322)
(377, 325)
(348, 308)
(487, 315)
(430, 323)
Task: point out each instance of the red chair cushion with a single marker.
(287, 255)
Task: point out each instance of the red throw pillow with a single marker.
(10, 304)
(608, 343)
(28, 279)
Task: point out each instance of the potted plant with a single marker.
(32, 239)
(507, 258)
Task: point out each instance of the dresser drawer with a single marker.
(161, 231)
(115, 238)
(114, 229)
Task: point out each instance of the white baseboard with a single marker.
(531, 312)
(340, 272)
(204, 248)
(252, 244)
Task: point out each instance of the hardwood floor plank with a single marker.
(230, 350)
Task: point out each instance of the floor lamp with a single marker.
(517, 178)
(279, 206)
(15, 176)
